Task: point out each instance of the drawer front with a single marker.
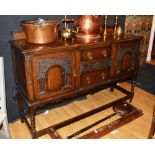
(96, 53)
(53, 74)
(94, 77)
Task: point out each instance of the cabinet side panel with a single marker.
(19, 69)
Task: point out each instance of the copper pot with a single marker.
(40, 31)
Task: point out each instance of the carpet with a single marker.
(146, 78)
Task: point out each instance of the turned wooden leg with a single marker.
(132, 89)
(21, 106)
(53, 134)
(152, 129)
(112, 88)
(32, 120)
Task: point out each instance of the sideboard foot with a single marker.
(21, 106)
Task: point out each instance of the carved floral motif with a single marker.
(97, 65)
(45, 64)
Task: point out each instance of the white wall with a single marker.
(2, 86)
(5, 129)
(148, 58)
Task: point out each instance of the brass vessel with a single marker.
(119, 31)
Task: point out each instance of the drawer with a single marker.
(95, 53)
(94, 77)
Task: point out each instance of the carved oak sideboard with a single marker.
(62, 70)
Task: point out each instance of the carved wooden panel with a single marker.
(54, 78)
(53, 73)
(126, 62)
(45, 64)
(85, 67)
(126, 59)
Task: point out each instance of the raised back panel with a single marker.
(126, 62)
(54, 78)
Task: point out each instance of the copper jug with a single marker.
(89, 25)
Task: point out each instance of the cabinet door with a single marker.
(127, 57)
(53, 74)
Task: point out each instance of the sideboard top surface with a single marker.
(28, 47)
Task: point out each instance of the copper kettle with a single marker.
(68, 32)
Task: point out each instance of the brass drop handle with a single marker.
(88, 80)
(131, 68)
(90, 55)
(104, 52)
(103, 76)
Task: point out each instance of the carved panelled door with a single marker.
(127, 58)
(53, 74)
